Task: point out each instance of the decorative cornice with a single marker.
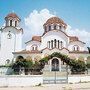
(21, 29)
(27, 52)
(79, 52)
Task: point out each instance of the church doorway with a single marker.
(55, 64)
(55, 72)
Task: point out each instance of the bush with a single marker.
(77, 66)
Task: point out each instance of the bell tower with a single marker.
(11, 38)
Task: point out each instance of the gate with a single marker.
(55, 76)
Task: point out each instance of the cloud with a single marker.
(34, 22)
(34, 26)
(82, 34)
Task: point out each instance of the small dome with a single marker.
(36, 38)
(12, 15)
(55, 20)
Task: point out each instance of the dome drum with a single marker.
(54, 23)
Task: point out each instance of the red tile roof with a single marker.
(55, 20)
(36, 38)
(12, 15)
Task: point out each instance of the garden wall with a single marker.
(78, 78)
(20, 80)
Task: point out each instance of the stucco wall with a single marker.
(10, 45)
(78, 79)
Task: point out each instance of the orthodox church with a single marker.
(54, 39)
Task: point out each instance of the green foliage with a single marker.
(77, 66)
(88, 62)
(88, 49)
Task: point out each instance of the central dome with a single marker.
(55, 20)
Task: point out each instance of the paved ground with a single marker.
(80, 86)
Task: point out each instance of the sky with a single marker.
(34, 13)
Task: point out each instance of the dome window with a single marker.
(34, 47)
(54, 27)
(15, 23)
(75, 48)
(10, 22)
(49, 28)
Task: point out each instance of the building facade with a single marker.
(54, 39)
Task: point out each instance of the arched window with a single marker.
(10, 22)
(55, 43)
(60, 27)
(7, 61)
(61, 44)
(58, 43)
(52, 44)
(75, 48)
(49, 28)
(34, 47)
(19, 58)
(15, 23)
(54, 27)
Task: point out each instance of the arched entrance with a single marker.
(55, 64)
(55, 72)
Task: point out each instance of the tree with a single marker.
(88, 62)
(88, 49)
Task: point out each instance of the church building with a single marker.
(54, 39)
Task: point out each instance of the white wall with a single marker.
(51, 35)
(80, 44)
(78, 78)
(18, 80)
(10, 45)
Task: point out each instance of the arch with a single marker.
(55, 64)
(71, 62)
(20, 58)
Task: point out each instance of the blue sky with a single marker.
(74, 12)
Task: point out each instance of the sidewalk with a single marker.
(80, 86)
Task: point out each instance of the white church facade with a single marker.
(54, 39)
